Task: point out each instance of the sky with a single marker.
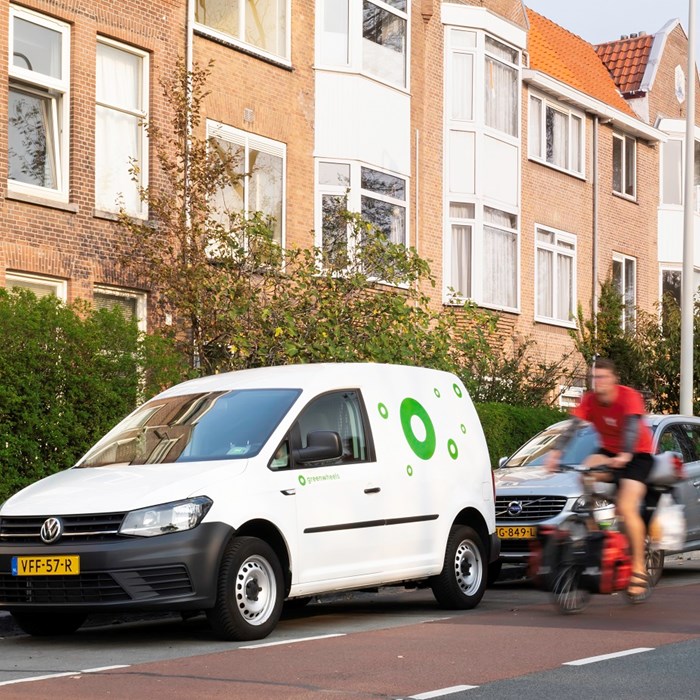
(598, 21)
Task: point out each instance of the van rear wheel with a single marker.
(462, 582)
(250, 591)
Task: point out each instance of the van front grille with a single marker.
(76, 528)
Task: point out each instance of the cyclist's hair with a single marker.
(605, 363)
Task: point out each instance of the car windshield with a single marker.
(194, 427)
(533, 452)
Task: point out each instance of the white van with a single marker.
(233, 493)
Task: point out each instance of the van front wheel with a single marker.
(249, 591)
(462, 582)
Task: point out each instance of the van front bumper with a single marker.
(177, 571)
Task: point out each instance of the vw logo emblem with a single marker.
(515, 508)
(51, 530)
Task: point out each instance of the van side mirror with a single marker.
(321, 445)
(502, 461)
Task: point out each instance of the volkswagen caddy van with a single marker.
(232, 493)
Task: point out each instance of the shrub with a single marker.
(67, 375)
(507, 427)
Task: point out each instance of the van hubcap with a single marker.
(256, 590)
(468, 569)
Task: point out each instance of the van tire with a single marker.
(462, 583)
(48, 624)
(250, 591)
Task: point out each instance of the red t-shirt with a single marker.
(609, 421)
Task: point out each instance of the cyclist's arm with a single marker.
(558, 446)
(630, 433)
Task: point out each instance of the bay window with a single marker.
(500, 259)
(384, 32)
(502, 89)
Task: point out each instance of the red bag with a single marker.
(609, 565)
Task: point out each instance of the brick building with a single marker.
(494, 141)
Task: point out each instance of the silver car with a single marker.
(528, 495)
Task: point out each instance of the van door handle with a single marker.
(373, 489)
(288, 492)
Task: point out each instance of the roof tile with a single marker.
(627, 59)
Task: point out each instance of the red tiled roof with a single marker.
(626, 59)
(571, 60)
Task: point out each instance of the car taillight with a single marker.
(678, 466)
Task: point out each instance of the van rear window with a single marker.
(194, 427)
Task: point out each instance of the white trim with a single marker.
(59, 286)
(623, 258)
(657, 48)
(481, 18)
(590, 105)
(623, 166)
(566, 237)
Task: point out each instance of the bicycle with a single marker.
(585, 554)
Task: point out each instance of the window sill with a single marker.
(248, 49)
(555, 322)
(41, 201)
(565, 171)
(461, 301)
(626, 197)
(114, 216)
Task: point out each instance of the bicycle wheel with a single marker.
(568, 593)
(654, 562)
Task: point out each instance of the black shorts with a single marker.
(637, 469)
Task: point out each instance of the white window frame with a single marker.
(57, 90)
(263, 144)
(142, 114)
(479, 262)
(57, 286)
(570, 396)
(625, 140)
(628, 316)
(560, 247)
(512, 65)
(457, 296)
(239, 42)
(354, 192)
(342, 48)
(140, 297)
(540, 128)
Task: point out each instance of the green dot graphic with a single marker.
(410, 409)
(383, 410)
(409, 470)
(437, 392)
(458, 391)
(452, 449)
(463, 428)
(302, 480)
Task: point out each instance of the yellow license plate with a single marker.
(515, 532)
(46, 566)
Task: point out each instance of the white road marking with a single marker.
(62, 675)
(291, 641)
(605, 657)
(441, 692)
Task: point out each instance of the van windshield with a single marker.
(194, 427)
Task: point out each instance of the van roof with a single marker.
(319, 376)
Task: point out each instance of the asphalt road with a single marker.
(396, 644)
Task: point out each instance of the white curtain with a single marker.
(265, 187)
(461, 260)
(564, 287)
(118, 137)
(462, 86)
(535, 127)
(501, 96)
(545, 283)
(500, 256)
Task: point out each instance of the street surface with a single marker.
(397, 644)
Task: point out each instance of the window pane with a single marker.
(545, 236)
(37, 286)
(127, 305)
(389, 218)
(36, 48)
(461, 260)
(265, 188)
(381, 183)
(462, 86)
(565, 283)
(576, 138)
(556, 130)
(505, 53)
(617, 164)
(265, 25)
(334, 229)
(672, 177)
(231, 199)
(219, 14)
(118, 78)
(671, 285)
(117, 142)
(461, 210)
(334, 174)
(500, 218)
(384, 43)
(617, 275)
(535, 127)
(462, 40)
(545, 283)
(501, 96)
(31, 147)
(630, 166)
(335, 33)
(499, 266)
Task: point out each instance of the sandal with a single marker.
(641, 582)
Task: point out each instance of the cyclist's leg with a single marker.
(629, 496)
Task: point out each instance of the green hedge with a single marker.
(67, 375)
(508, 427)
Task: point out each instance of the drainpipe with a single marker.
(594, 251)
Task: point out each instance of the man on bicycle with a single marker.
(616, 413)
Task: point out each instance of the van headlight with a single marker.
(169, 517)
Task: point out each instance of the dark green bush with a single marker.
(67, 375)
(508, 427)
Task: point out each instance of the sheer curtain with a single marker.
(462, 86)
(500, 257)
(501, 96)
(545, 283)
(565, 283)
(117, 128)
(461, 260)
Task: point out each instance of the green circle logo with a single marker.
(409, 470)
(452, 449)
(437, 392)
(463, 428)
(411, 410)
(302, 480)
(383, 410)
(458, 391)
